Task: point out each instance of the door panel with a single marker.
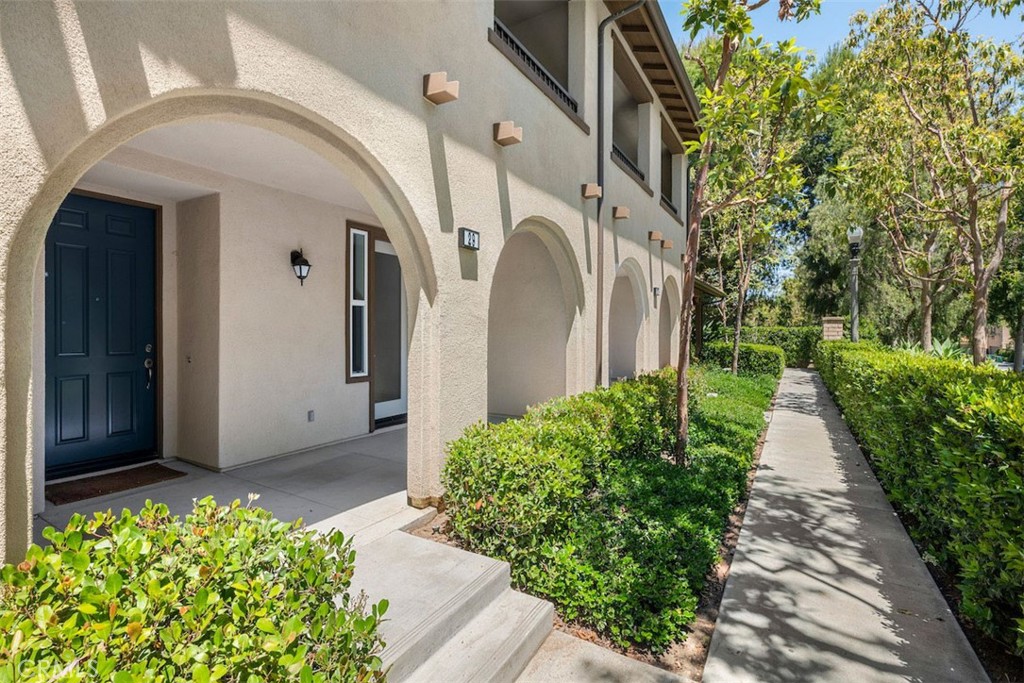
(100, 331)
(389, 334)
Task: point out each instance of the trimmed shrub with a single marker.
(231, 594)
(798, 342)
(579, 496)
(947, 441)
(755, 359)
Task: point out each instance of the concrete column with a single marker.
(580, 86)
(679, 174)
(649, 147)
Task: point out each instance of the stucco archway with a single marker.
(535, 297)
(262, 110)
(668, 321)
(626, 314)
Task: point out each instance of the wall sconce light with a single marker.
(657, 291)
(300, 265)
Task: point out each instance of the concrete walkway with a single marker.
(316, 485)
(825, 584)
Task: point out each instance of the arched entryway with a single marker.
(668, 323)
(535, 296)
(262, 258)
(627, 310)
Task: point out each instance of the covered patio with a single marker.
(317, 485)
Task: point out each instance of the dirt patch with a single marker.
(685, 658)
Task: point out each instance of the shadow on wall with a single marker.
(805, 540)
(134, 50)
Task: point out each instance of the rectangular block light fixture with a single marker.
(590, 190)
(438, 89)
(506, 133)
(654, 235)
(469, 239)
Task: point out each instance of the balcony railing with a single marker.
(667, 203)
(530, 61)
(627, 162)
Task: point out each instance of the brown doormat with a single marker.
(103, 484)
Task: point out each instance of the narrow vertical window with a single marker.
(358, 328)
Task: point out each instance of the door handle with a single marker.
(148, 364)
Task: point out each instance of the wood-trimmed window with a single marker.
(357, 310)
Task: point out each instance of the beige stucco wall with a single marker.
(283, 346)
(199, 310)
(79, 79)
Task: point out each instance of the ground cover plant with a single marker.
(229, 594)
(580, 496)
(947, 441)
(755, 359)
(797, 342)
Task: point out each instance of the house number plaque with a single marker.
(469, 239)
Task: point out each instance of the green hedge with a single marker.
(947, 440)
(231, 594)
(798, 342)
(755, 359)
(579, 497)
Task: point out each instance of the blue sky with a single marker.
(831, 25)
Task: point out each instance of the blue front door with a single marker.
(100, 336)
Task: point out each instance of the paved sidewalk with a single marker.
(826, 585)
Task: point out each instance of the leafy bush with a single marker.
(797, 342)
(947, 440)
(579, 497)
(755, 359)
(231, 594)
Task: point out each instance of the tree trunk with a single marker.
(694, 217)
(686, 312)
(979, 316)
(1018, 347)
(983, 273)
(740, 300)
(927, 307)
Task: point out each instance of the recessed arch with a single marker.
(628, 308)
(536, 297)
(668, 322)
(366, 173)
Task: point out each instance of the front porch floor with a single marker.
(317, 485)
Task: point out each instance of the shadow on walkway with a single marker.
(826, 585)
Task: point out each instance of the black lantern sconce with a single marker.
(300, 265)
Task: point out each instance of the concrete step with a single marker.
(493, 648)
(434, 591)
(376, 519)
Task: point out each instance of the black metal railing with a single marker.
(667, 203)
(627, 162)
(531, 62)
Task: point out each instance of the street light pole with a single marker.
(855, 236)
(854, 301)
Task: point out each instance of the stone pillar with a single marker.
(831, 329)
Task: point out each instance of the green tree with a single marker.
(1008, 297)
(939, 129)
(728, 107)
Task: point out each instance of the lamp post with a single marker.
(855, 236)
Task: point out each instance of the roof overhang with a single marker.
(708, 289)
(651, 42)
